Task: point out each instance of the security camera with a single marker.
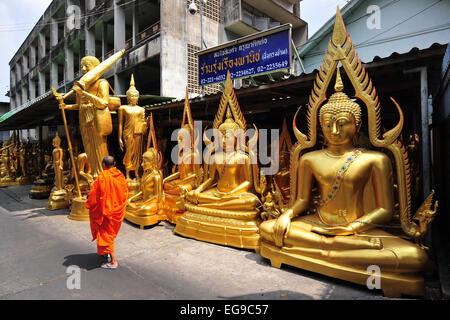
(192, 8)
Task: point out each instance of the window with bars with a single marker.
(192, 73)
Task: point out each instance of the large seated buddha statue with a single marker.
(146, 207)
(187, 168)
(224, 208)
(352, 226)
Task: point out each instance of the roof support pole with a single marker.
(425, 138)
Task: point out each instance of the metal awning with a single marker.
(44, 111)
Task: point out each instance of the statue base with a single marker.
(143, 221)
(58, 199)
(229, 228)
(393, 285)
(24, 180)
(172, 212)
(9, 183)
(40, 189)
(78, 210)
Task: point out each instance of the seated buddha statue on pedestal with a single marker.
(146, 207)
(351, 227)
(187, 167)
(224, 208)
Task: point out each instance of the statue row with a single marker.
(332, 210)
(19, 161)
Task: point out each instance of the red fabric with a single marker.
(106, 204)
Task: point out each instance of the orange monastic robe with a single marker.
(106, 204)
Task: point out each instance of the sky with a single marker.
(18, 17)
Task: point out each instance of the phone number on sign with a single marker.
(273, 66)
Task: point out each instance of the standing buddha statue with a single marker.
(58, 197)
(132, 133)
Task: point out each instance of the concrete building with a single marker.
(4, 108)
(160, 38)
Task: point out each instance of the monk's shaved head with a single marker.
(108, 161)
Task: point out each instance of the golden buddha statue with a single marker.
(344, 236)
(187, 168)
(94, 104)
(58, 197)
(224, 208)
(5, 176)
(281, 178)
(42, 187)
(133, 134)
(133, 131)
(146, 207)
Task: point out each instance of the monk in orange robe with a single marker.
(106, 203)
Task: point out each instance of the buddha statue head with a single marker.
(88, 63)
(132, 93)
(56, 141)
(228, 130)
(340, 117)
(150, 160)
(185, 135)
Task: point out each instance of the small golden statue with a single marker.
(59, 198)
(224, 208)
(345, 237)
(24, 176)
(8, 169)
(188, 165)
(133, 134)
(42, 187)
(146, 207)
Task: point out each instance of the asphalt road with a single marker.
(37, 246)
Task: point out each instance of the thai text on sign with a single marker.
(264, 54)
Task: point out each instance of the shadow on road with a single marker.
(86, 261)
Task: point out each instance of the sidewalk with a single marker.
(37, 246)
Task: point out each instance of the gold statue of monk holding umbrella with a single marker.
(93, 104)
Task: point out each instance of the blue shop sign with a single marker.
(264, 54)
